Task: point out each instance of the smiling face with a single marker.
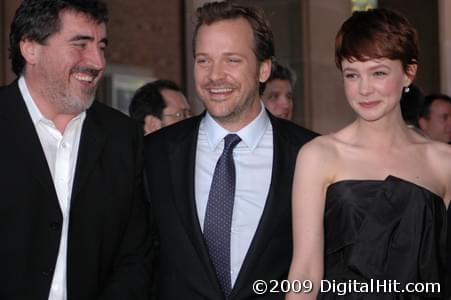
(227, 72)
(65, 70)
(373, 87)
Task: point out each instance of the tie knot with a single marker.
(230, 141)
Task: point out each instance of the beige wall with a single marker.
(445, 45)
(148, 35)
(326, 107)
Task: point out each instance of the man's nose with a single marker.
(216, 71)
(95, 57)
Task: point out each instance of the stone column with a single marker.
(6, 15)
(444, 12)
(326, 108)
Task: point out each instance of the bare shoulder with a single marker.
(320, 148)
(318, 159)
(439, 156)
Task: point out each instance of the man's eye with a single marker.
(201, 61)
(234, 60)
(80, 45)
(351, 76)
(273, 96)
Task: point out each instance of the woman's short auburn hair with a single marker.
(377, 33)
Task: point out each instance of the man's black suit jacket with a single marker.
(185, 271)
(108, 230)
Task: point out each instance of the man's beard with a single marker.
(66, 102)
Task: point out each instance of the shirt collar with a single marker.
(250, 134)
(33, 109)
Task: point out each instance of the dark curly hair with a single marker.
(36, 20)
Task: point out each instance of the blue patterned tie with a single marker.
(218, 216)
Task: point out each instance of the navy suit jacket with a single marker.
(185, 270)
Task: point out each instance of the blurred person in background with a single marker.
(435, 117)
(158, 104)
(277, 92)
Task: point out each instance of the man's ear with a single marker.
(29, 50)
(151, 124)
(264, 70)
(423, 123)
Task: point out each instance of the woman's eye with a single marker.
(380, 73)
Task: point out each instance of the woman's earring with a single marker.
(406, 89)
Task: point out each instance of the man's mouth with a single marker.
(220, 90)
(85, 74)
(84, 77)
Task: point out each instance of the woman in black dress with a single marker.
(369, 201)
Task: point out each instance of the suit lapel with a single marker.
(275, 206)
(24, 136)
(92, 141)
(182, 157)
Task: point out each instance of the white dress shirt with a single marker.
(253, 158)
(61, 151)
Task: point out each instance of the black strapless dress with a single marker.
(378, 230)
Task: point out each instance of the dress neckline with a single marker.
(389, 178)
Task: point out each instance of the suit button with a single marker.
(55, 225)
(46, 272)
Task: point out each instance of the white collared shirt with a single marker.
(61, 151)
(253, 158)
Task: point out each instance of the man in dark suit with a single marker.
(72, 216)
(220, 183)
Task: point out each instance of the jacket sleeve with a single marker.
(129, 277)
